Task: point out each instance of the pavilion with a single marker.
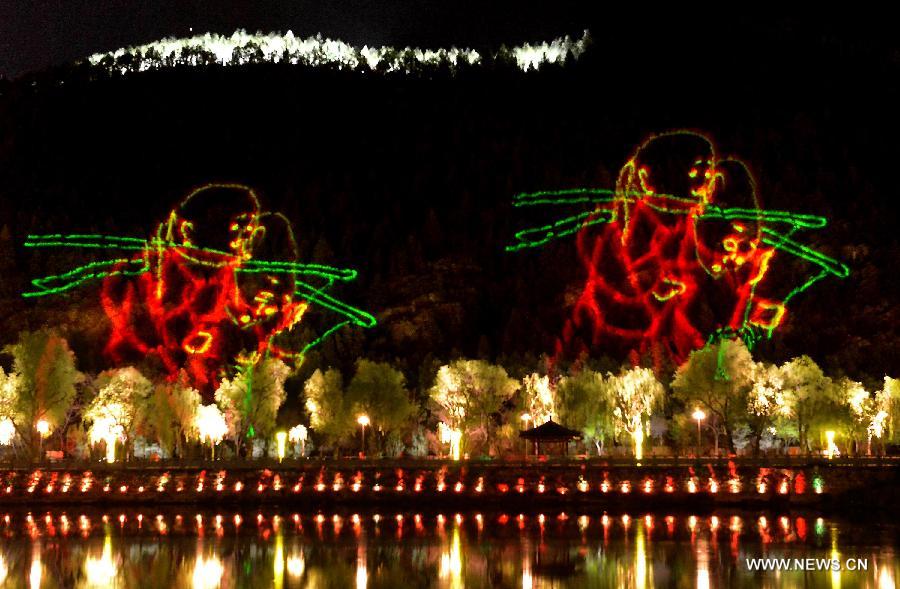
(551, 435)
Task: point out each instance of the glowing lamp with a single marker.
(43, 427)
(363, 421)
(699, 415)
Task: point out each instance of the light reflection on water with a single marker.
(176, 549)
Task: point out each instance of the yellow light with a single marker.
(204, 341)
(34, 575)
(281, 439)
(207, 573)
(296, 565)
(363, 420)
(698, 414)
(831, 449)
(43, 427)
(101, 572)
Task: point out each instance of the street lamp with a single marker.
(699, 415)
(363, 421)
(43, 429)
(525, 417)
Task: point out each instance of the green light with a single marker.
(818, 484)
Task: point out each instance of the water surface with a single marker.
(182, 548)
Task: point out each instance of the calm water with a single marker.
(185, 548)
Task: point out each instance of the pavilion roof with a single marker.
(550, 431)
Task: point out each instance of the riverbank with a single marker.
(790, 482)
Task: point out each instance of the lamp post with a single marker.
(525, 417)
(363, 421)
(43, 429)
(699, 415)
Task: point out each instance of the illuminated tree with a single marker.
(210, 425)
(298, 436)
(861, 410)
(717, 378)
(9, 383)
(329, 413)
(250, 400)
(808, 393)
(174, 409)
(379, 391)
(584, 405)
(469, 393)
(891, 399)
(539, 398)
(122, 407)
(766, 403)
(634, 395)
(45, 383)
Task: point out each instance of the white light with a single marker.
(210, 424)
(296, 565)
(107, 430)
(207, 573)
(34, 575)
(297, 433)
(43, 427)
(101, 572)
(7, 431)
(316, 51)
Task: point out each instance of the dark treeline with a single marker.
(409, 179)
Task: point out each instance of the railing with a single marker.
(531, 463)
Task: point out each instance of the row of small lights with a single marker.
(713, 522)
(692, 486)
